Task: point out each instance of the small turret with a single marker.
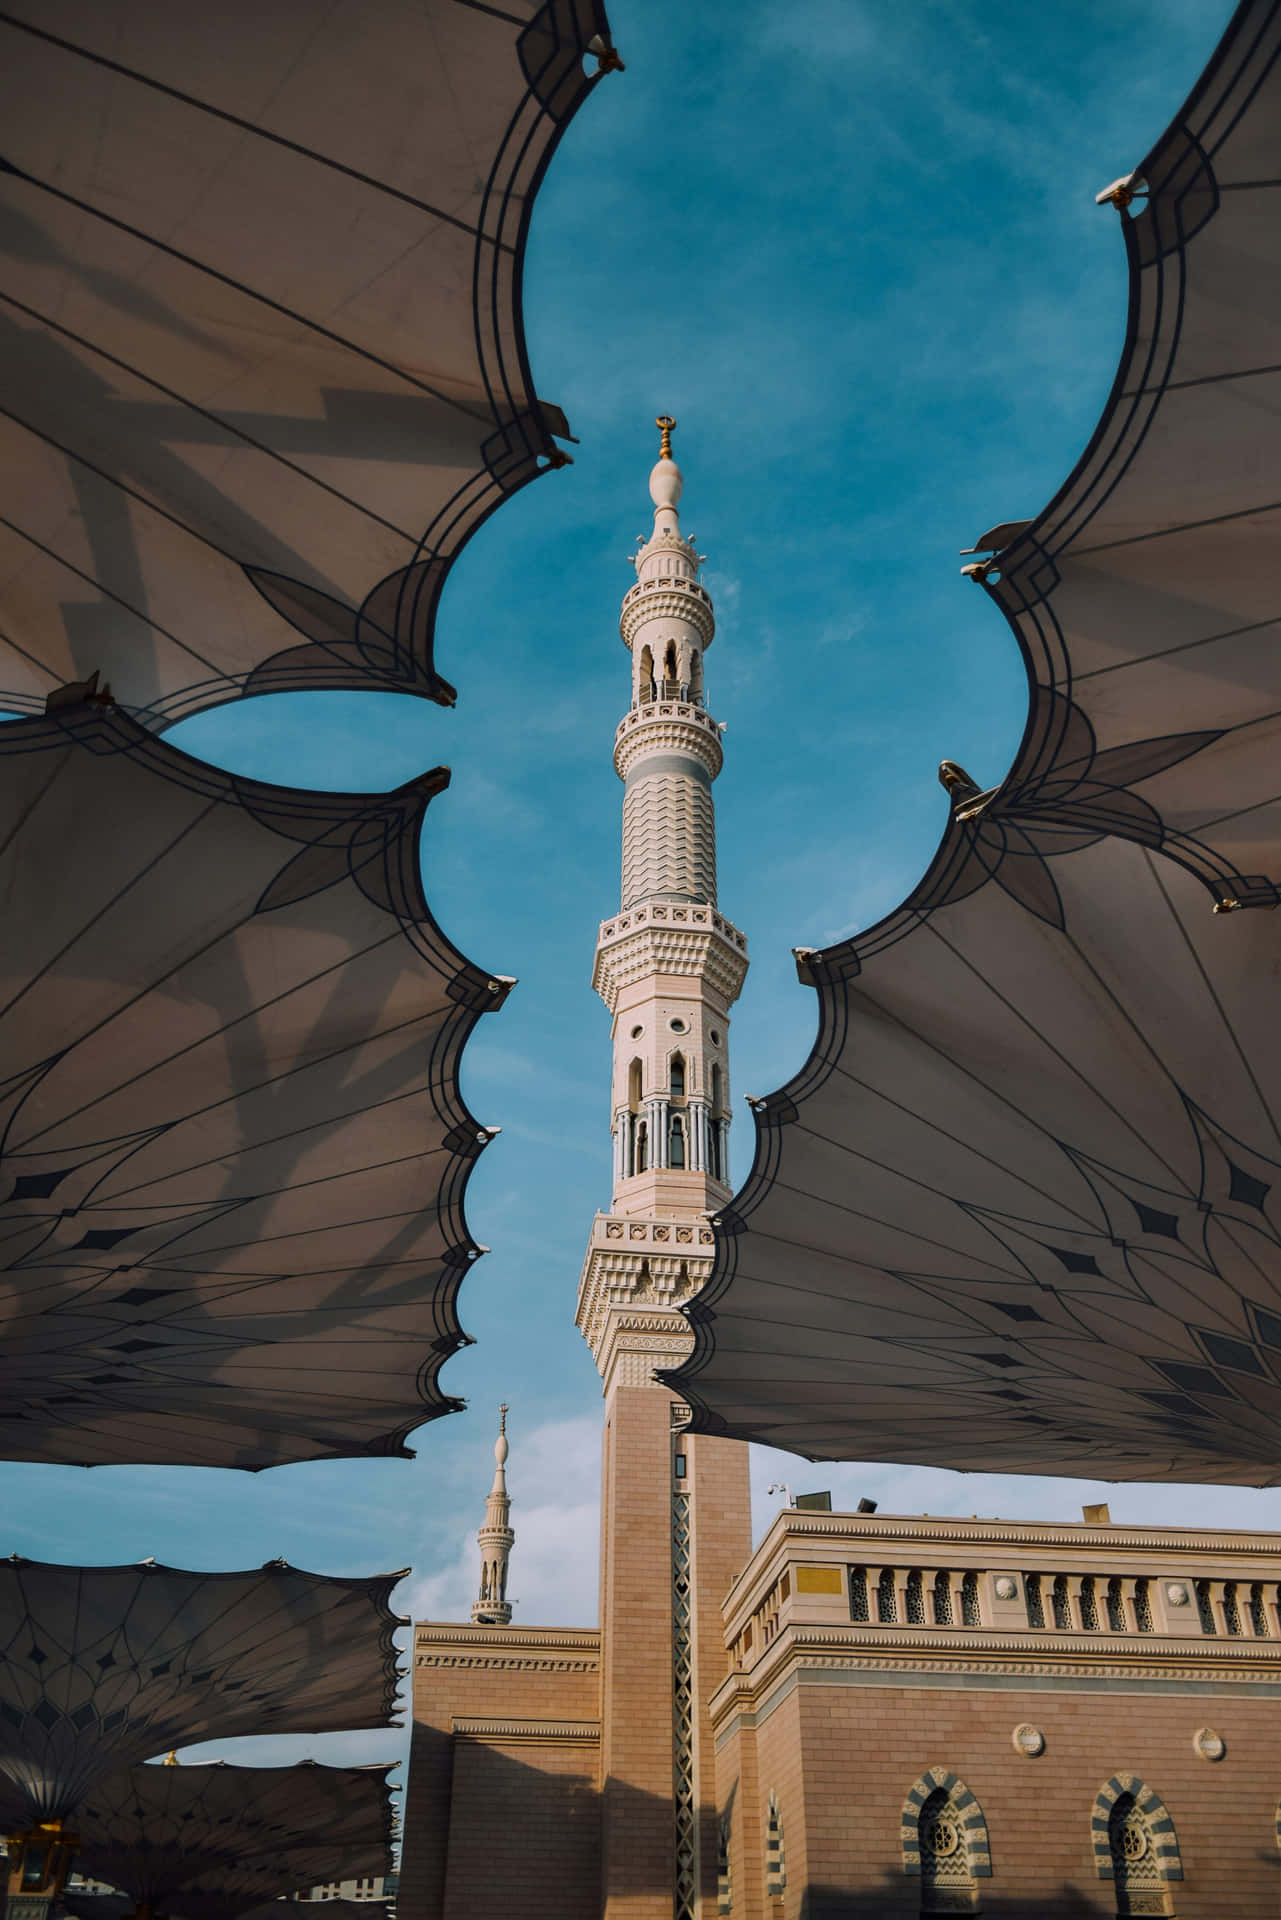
(496, 1540)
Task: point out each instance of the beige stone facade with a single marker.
(941, 1716)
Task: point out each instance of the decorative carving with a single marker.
(1029, 1741)
(1177, 1594)
(1006, 1588)
(1209, 1744)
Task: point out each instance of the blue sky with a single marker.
(854, 248)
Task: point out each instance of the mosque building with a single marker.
(869, 1715)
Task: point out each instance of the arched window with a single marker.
(915, 1599)
(714, 1151)
(1116, 1607)
(696, 672)
(1035, 1600)
(1231, 1611)
(945, 1843)
(669, 661)
(645, 676)
(1089, 1611)
(676, 1076)
(858, 1593)
(676, 1155)
(718, 1095)
(1135, 1846)
(970, 1601)
(642, 1147)
(1060, 1603)
(886, 1598)
(942, 1600)
(634, 1085)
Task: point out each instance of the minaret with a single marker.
(496, 1539)
(675, 1512)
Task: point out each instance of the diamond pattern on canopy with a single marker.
(232, 1227)
(208, 1841)
(104, 1666)
(1021, 1210)
(264, 367)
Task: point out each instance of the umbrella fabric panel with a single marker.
(1144, 597)
(235, 1145)
(209, 1840)
(1020, 1212)
(105, 1666)
(264, 368)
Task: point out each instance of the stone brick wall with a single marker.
(842, 1758)
(524, 1832)
(526, 1697)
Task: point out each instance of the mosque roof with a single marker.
(103, 1667)
(264, 369)
(231, 1117)
(202, 1842)
(1020, 1211)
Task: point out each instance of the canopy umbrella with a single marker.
(1019, 1211)
(211, 1841)
(264, 369)
(232, 1130)
(103, 1666)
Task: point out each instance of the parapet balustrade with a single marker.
(652, 915)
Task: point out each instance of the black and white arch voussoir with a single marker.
(213, 1842)
(262, 359)
(104, 1667)
(233, 1148)
(1021, 1209)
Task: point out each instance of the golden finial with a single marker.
(502, 1418)
(666, 426)
(170, 1759)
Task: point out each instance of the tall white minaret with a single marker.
(496, 1538)
(675, 1509)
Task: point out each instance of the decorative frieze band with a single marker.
(587, 1731)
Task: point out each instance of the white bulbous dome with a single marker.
(665, 484)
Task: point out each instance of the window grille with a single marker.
(1143, 1606)
(1231, 1611)
(942, 1600)
(886, 1598)
(1117, 1622)
(1035, 1601)
(858, 1593)
(1136, 1873)
(1258, 1612)
(946, 1882)
(915, 1599)
(1061, 1604)
(970, 1601)
(1089, 1609)
(1204, 1607)
(775, 1856)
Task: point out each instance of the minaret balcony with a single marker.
(659, 937)
(672, 726)
(667, 598)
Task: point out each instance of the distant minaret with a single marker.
(675, 1519)
(493, 1608)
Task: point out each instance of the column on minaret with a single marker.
(496, 1539)
(676, 1523)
